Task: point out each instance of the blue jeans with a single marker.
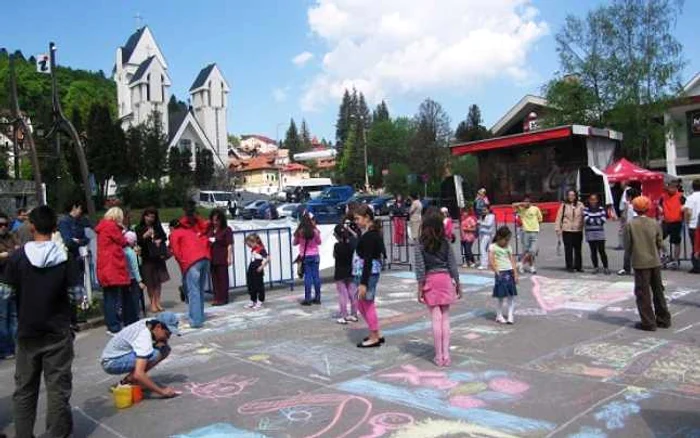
(126, 364)
(8, 326)
(196, 282)
(312, 277)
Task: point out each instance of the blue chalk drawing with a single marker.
(220, 430)
(615, 413)
(474, 280)
(431, 401)
(589, 432)
(425, 325)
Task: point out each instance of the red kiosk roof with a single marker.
(624, 170)
(507, 141)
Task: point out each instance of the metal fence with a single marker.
(278, 243)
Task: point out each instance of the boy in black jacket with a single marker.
(45, 280)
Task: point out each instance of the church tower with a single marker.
(209, 99)
(143, 84)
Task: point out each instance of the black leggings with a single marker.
(572, 249)
(598, 247)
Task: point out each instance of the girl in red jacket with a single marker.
(112, 271)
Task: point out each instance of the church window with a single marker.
(162, 87)
(209, 94)
(148, 87)
(222, 95)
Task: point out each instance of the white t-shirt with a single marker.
(692, 203)
(135, 337)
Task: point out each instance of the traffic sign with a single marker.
(43, 64)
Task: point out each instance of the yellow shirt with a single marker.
(531, 218)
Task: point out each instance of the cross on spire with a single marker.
(139, 20)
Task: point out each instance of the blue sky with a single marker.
(254, 43)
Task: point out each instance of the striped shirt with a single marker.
(594, 222)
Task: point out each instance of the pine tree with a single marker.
(134, 150)
(305, 137)
(106, 152)
(429, 153)
(381, 113)
(342, 125)
(155, 148)
(471, 129)
(292, 141)
(204, 172)
(352, 162)
(174, 163)
(363, 114)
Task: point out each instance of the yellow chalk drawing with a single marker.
(469, 388)
(259, 357)
(446, 428)
(205, 350)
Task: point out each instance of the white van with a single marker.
(312, 186)
(214, 199)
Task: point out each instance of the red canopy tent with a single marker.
(625, 171)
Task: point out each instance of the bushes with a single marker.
(149, 194)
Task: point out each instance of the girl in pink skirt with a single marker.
(438, 282)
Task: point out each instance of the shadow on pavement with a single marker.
(672, 423)
(612, 320)
(90, 414)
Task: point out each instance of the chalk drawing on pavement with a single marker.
(675, 368)
(432, 428)
(223, 388)
(465, 279)
(572, 294)
(220, 430)
(460, 395)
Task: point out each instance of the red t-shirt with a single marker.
(672, 207)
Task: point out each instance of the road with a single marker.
(571, 366)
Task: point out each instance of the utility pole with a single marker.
(62, 122)
(364, 141)
(21, 123)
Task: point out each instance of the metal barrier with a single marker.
(516, 240)
(395, 231)
(278, 243)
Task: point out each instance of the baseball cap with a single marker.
(641, 203)
(170, 320)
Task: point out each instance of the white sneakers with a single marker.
(500, 319)
(347, 319)
(254, 305)
(341, 321)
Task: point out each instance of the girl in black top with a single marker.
(367, 266)
(347, 292)
(152, 240)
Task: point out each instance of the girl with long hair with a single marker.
(308, 238)
(366, 268)
(438, 282)
(502, 262)
(153, 241)
(221, 238)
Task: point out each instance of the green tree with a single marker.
(204, 170)
(429, 147)
(292, 140)
(381, 113)
(472, 128)
(106, 151)
(397, 179)
(305, 137)
(342, 125)
(352, 167)
(234, 141)
(387, 143)
(625, 56)
(135, 151)
(570, 102)
(155, 148)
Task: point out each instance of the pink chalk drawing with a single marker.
(338, 402)
(225, 387)
(466, 402)
(589, 296)
(387, 422)
(417, 377)
(508, 386)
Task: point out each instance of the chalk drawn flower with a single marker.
(615, 413)
(508, 386)
(466, 402)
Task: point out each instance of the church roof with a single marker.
(143, 68)
(262, 138)
(202, 76)
(175, 119)
(130, 45)
(178, 125)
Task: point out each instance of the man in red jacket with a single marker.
(190, 247)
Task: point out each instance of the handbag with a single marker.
(300, 262)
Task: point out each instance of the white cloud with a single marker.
(302, 58)
(280, 94)
(415, 46)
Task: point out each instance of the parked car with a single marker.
(288, 210)
(327, 215)
(260, 209)
(330, 197)
(360, 199)
(382, 204)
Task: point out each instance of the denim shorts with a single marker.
(126, 363)
(371, 286)
(530, 242)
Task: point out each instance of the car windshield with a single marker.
(328, 194)
(225, 197)
(255, 204)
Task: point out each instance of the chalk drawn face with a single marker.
(225, 387)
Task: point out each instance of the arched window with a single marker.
(209, 94)
(148, 87)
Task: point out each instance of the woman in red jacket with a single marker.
(112, 271)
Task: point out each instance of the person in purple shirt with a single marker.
(308, 238)
(221, 238)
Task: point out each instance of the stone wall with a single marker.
(15, 194)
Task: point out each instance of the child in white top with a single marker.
(502, 262)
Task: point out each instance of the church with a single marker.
(143, 86)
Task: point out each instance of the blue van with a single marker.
(326, 203)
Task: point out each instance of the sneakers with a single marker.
(481, 268)
(251, 305)
(510, 320)
(341, 321)
(622, 272)
(351, 318)
(500, 319)
(533, 270)
(257, 305)
(521, 269)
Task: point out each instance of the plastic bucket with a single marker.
(122, 396)
(136, 394)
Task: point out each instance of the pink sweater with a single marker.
(310, 248)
